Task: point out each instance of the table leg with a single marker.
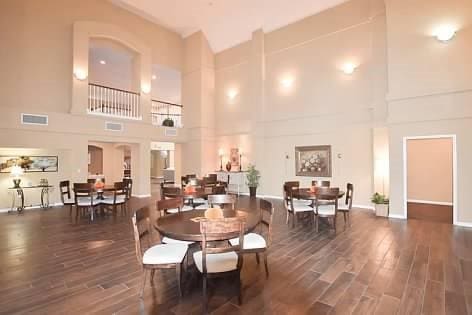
(21, 195)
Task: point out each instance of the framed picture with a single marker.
(29, 163)
(314, 161)
(234, 158)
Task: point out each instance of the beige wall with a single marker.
(324, 105)
(429, 165)
(430, 89)
(96, 160)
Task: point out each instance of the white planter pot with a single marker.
(381, 210)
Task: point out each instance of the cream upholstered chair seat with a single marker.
(326, 209)
(216, 263)
(301, 208)
(199, 200)
(169, 240)
(165, 254)
(251, 241)
(110, 200)
(302, 202)
(88, 201)
(69, 201)
(175, 210)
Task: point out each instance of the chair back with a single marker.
(172, 203)
(267, 214)
(222, 229)
(327, 196)
(211, 178)
(91, 181)
(320, 183)
(128, 186)
(170, 192)
(196, 182)
(218, 189)
(142, 230)
(222, 200)
(119, 189)
(83, 190)
(289, 188)
(349, 195)
(64, 189)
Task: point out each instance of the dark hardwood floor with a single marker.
(51, 264)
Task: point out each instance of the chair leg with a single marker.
(286, 221)
(240, 296)
(294, 221)
(334, 223)
(178, 272)
(317, 223)
(70, 210)
(344, 215)
(153, 271)
(257, 258)
(205, 300)
(266, 265)
(144, 283)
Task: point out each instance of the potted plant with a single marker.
(381, 204)
(168, 122)
(252, 177)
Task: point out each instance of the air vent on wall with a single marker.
(113, 126)
(171, 132)
(31, 119)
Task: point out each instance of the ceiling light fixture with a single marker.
(349, 68)
(445, 33)
(154, 77)
(103, 62)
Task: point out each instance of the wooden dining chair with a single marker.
(221, 200)
(161, 256)
(84, 199)
(320, 183)
(294, 206)
(66, 196)
(170, 192)
(118, 198)
(326, 205)
(259, 242)
(129, 187)
(217, 260)
(345, 208)
(170, 205)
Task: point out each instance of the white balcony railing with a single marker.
(107, 101)
(162, 113)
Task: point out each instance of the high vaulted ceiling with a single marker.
(225, 23)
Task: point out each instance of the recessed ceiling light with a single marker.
(103, 62)
(154, 77)
(287, 82)
(232, 93)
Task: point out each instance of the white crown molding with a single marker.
(429, 202)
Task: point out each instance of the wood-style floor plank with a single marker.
(53, 264)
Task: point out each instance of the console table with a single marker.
(236, 181)
(18, 194)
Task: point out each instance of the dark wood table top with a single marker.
(307, 194)
(180, 226)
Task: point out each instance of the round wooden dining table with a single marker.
(185, 226)
(307, 194)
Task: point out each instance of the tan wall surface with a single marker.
(430, 170)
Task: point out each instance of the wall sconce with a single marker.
(80, 74)
(232, 93)
(444, 33)
(146, 88)
(348, 68)
(240, 160)
(287, 82)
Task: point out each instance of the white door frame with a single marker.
(454, 173)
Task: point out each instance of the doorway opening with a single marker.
(109, 161)
(430, 178)
(162, 164)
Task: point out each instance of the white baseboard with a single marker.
(429, 202)
(397, 216)
(463, 224)
(364, 207)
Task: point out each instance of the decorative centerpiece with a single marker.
(381, 204)
(228, 166)
(99, 184)
(252, 177)
(16, 171)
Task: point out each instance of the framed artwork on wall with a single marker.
(234, 158)
(30, 164)
(313, 161)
